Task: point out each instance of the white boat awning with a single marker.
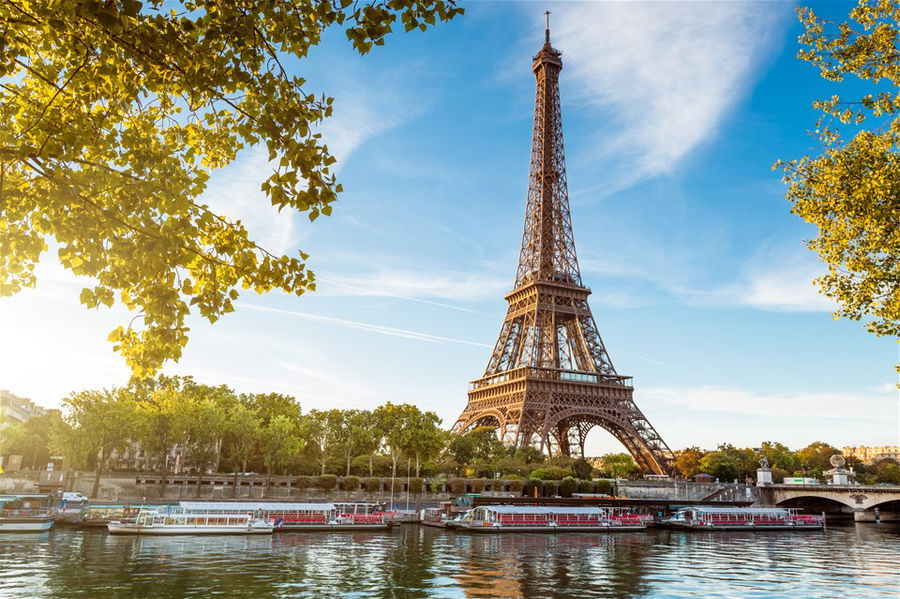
(252, 506)
(535, 509)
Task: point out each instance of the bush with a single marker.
(416, 485)
(516, 486)
(372, 484)
(567, 486)
(476, 484)
(351, 483)
(304, 482)
(603, 487)
(551, 488)
(582, 468)
(457, 486)
(437, 485)
(586, 486)
(530, 485)
(326, 482)
(551, 473)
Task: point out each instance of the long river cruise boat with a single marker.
(521, 518)
(25, 513)
(181, 522)
(298, 517)
(743, 518)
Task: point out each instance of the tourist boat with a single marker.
(25, 513)
(461, 520)
(180, 522)
(743, 518)
(435, 516)
(291, 517)
(527, 518)
(96, 516)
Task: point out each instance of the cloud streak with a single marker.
(363, 326)
(667, 73)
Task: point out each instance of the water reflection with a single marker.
(414, 562)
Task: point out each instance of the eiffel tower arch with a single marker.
(550, 379)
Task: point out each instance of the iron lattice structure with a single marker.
(550, 379)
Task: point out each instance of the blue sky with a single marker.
(673, 116)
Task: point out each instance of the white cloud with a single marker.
(410, 284)
(775, 279)
(667, 73)
(861, 405)
(363, 326)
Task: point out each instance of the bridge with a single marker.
(856, 500)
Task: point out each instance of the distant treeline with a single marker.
(214, 429)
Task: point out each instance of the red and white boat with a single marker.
(744, 518)
(296, 517)
(523, 518)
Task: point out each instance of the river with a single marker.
(858, 561)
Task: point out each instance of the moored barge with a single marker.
(523, 518)
(25, 513)
(708, 518)
(179, 522)
(298, 517)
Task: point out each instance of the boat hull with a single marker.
(549, 529)
(745, 527)
(134, 529)
(26, 524)
(328, 527)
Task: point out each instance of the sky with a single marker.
(673, 115)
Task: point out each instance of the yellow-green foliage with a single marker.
(115, 113)
(851, 191)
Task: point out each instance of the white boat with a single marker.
(25, 513)
(296, 517)
(529, 518)
(179, 522)
(743, 518)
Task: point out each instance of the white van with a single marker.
(72, 497)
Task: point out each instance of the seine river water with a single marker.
(853, 561)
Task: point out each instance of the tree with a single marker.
(780, 456)
(100, 422)
(321, 430)
(687, 461)
(114, 115)
(582, 468)
(356, 431)
(280, 445)
(850, 190)
(724, 465)
(160, 422)
(398, 424)
(424, 439)
(618, 465)
(243, 435)
(817, 455)
(30, 439)
(204, 424)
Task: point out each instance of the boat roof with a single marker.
(232, 506)
(538, 509)
(5, 498)
(736, 510)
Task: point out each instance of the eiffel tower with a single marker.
(550, 379)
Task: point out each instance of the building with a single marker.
(15, 409)
(870, 455)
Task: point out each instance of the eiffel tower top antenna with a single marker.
(547, 30)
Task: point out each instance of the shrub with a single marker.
(372, 484)
(416, 485)
(567, 486)
(457, 485)
(437, 485)
(351, 483)
(304, 482)
(586, 486)
(551, 473)
(326, 482)
(582, 468)
(603, 487)
(530, 485)
(477, 485)
(551, 488)
(516, 486)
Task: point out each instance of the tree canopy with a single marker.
(850, 190)
(114, 116)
